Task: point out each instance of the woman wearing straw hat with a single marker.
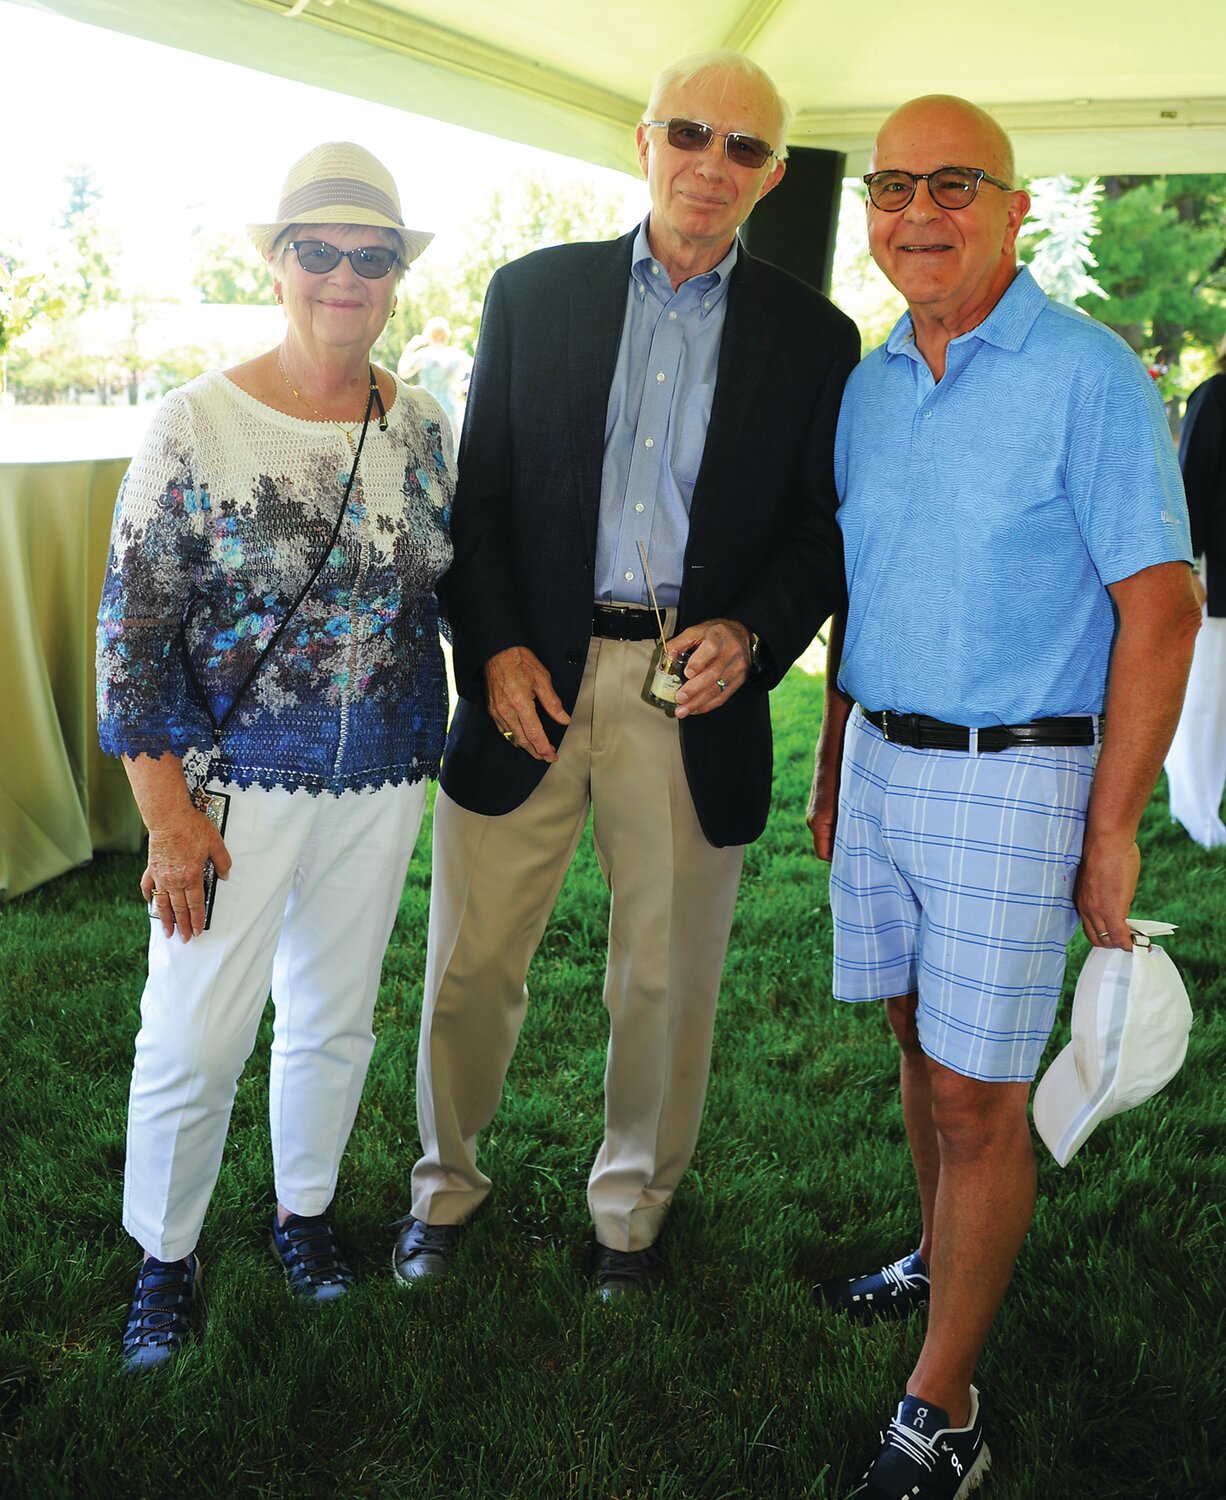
(269, 669)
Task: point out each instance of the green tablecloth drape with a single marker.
(61, 799)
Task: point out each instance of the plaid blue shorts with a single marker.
(953, 878)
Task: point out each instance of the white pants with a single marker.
(494, 884)
(307, 911)
(1196, 761)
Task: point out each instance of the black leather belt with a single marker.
(619, 622)
(919, 732)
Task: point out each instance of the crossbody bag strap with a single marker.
(220, 724)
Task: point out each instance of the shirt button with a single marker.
(660, 376)
(629, 577)
(639, 507)
(706, 303)
(927, 416)
(649, 443)
(672, 317)
(655, 270)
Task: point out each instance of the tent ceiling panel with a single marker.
(1084, 88)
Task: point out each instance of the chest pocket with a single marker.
(690, 435)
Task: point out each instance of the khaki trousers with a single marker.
(495, 881)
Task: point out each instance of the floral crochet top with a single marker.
(221, 518)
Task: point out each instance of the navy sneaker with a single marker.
(892, 1292)
(161, 1314)
(923, 1458)
(311, 1257)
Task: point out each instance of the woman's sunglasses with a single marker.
(318, 257)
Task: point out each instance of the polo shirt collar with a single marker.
(1006, 326)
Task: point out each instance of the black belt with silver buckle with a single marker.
(919, 732)
(620, 622)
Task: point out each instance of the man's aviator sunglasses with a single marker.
(948, 187)
(318, 257)
(693, 135)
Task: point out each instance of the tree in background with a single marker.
(61, 354)
(1161, 253)
(25, 298)
(226, 269)
(531, 212)
(83, 266)
(1056, 239)
(1154, 269)
(103, 343)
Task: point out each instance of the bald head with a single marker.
(974, 137)
(952, 259)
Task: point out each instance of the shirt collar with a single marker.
(709, 288)
(1006, 325)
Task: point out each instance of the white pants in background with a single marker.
(1196, 761)
(306, 912)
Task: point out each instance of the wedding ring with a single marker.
(509, 736)
(721, 684)
(1104, 934)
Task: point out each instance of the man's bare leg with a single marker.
(916, 1092)
(983, 1206)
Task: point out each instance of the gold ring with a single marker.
(509, 736)
(1104, 934)
(721, 684)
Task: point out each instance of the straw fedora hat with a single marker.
(340, 183)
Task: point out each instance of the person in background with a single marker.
(439, 367)
(1008, 490)
(269, 665)
(664, 390)
(1196, 762)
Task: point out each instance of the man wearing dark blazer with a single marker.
(666, 397)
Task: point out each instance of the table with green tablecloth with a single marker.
(61, 799)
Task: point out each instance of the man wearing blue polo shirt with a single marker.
(1017, 555)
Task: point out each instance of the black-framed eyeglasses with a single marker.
(369, 261)
(693, 135)
(948, 187)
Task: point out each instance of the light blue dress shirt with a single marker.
(984, 514)
(656, 426)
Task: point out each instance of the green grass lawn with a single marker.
(1103, 1377)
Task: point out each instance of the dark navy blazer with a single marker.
(1202, 458)
(763, 544)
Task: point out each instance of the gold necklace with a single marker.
(340, 426)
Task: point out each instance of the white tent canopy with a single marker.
(1082, 86)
